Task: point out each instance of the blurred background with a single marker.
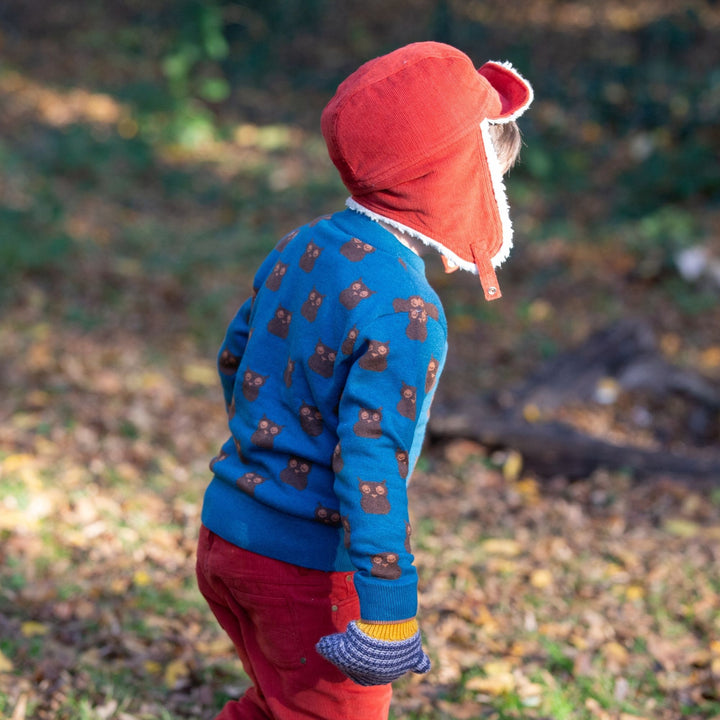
(151, 153)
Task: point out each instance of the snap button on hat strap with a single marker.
(486, 273)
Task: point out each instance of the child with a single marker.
(328, 372)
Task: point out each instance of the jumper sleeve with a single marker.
(232, 349)
(382, 418)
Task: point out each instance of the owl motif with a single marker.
(408, 535)
(280, 324)
(385, 566)
(228, 363)
(252, 382)
(337, 461)
(327, 516)
(355, 249)
(311, 420)
(286, 239)
(351, 296)
(310, 307)
(322, 361)
(403, 463)
(375, 357)
(222, 455)
(407, 406)
(296, 473)
(368, 423)
(374, 499)
(308, 258)
(249, 481)
(276, 276)
(289, 370)
(349, 342)
(418, 312)
(347, 529)
(431, 375)
(266, 432)
(319, 219)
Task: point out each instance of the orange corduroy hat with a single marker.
(408, 133)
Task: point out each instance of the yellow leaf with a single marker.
(531, 413)
(512, 466)
(635, 592)
(502, 546)
(33, 629)
(499, 684)
(153, 667)
(141, 578)
(614, 652)
(175, 671)
(200, 374)
(710, 358)
(682, 528)
(541, 578)
(6, 665)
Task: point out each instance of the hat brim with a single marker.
(514, 91)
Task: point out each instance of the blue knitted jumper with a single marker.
(328, 373)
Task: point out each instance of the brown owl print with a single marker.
(355, 249)
(368, 423)
(285, 240)
(311, 420)
(308, 258)
(276, 276)
(222, 455)
(296, 473)
(431, 375)
(266, 432)
(328, 516)
(385, 566)
(403, 463)
(322, 361)
(228, 363)
(349, 342)
(347, 529)
(280, 324)
(357, 291)
(319, 219)
(310, 307)
(289, 370)
(252, 382)
(231, 408)
(374, 497)
(375, 357)
(407, 406)
(418, 312)
(408, 535)
(249, 481)
(337, 460)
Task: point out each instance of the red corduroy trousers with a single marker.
(274, 613)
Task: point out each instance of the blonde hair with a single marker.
(507, 141)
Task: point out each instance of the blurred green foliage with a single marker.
(622, 141)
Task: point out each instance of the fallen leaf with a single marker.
(6, 665)
(33, 629)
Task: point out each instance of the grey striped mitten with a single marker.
(370, 661)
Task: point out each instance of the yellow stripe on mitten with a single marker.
(389, 631)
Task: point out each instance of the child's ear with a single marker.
(450, 266)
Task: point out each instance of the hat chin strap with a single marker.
(486, 274)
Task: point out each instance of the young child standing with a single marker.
(328, 372)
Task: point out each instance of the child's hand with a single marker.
(370, 661)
